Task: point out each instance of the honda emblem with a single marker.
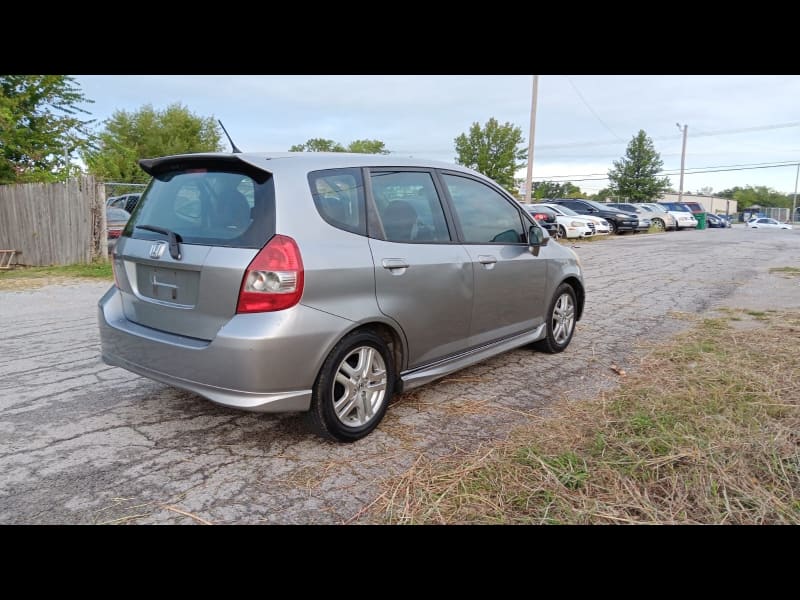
(157, 249)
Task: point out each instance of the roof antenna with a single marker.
(233, 146)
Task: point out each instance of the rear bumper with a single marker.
(265, 362)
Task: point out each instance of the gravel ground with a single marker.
(81, 442)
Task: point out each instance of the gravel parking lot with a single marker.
(81, 442)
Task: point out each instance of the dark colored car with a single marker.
(618, 220)
(713, 220)
(545, 217)
(644, 215)
(126, 202)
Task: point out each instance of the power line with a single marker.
(691, 170)
(591, 110)
(693, 173)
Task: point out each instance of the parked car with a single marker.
(660, 217)
(568, 227)
(618, 220)
(546, 218)
(644, 215)
(696, 208)
(683, 215)
(126, 202)
(327, 283)
(716, 221)
(116, 219)
(766, 223)
(601, 226)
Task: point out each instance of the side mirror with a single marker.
(537, 237)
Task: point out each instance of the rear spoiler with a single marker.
(182, 162)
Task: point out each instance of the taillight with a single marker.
(115, 264)
(540, 217)
(274, 278)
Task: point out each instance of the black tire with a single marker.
(612, 226)
(322, 417)
(659, 224)
(553, 342)
(562, 233)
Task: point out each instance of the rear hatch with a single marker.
(182, 256)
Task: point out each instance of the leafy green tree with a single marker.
(40, 126)
(493, 150)
(760, 195)
(635, 176)
(367, 147)
(357, 146)
(551, 189)
(146, 133)
(318, 145)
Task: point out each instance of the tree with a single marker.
(551, 189)
(493, 150)
(318, 145)
(40, 126)
(760, 195)
(635, 176)
(147, 132)
(367, 147)
(357, 146)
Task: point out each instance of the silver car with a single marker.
(328, 283)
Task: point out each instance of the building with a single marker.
(712, 204)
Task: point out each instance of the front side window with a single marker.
(408, 207)
(208, 207)
(485, 215)
(339, 197)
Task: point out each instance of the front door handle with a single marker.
(487, 260)
(396, 266)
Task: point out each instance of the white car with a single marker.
(683, 216)
(659, 215)
(765, 223)
(578, 226)
(601, 226)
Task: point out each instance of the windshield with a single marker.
(565, 211)
(599, 206)
(208, 207)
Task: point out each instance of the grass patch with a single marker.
(99, 270)
(789, 271)
(721, 447)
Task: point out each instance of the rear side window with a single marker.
(484, 214)
(408, 207)
(208, 207)
(339, 197)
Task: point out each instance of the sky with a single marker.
(583, 122)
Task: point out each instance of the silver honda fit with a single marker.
(327, 283)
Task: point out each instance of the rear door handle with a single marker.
(397, 266)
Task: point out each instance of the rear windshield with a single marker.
(208, 207)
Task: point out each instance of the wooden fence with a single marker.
(54, 223)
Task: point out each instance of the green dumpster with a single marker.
(701, 220)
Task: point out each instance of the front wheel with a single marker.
(562, 233)
(658, 224)
(353, 388)
(560, 321)
(612, 227)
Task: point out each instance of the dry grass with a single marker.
(723, 446)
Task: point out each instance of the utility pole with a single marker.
(683, 160)
(794, 202)
(529, 178)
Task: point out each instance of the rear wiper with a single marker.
(174, 239)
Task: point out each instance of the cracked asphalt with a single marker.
(81, 442)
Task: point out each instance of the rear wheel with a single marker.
(560, 321)
(353, 388)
